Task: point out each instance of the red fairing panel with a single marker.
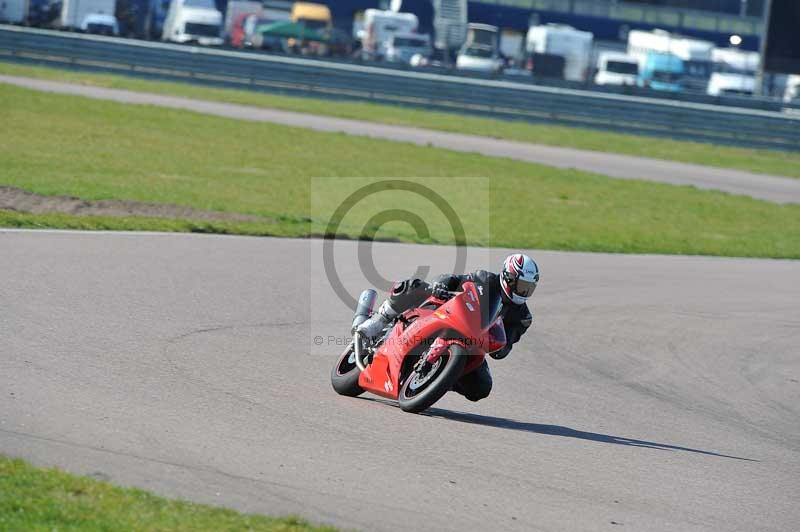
(462, 314)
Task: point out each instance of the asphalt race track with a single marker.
(655, 393)
(766, 187)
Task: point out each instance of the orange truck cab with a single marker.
(315, 17)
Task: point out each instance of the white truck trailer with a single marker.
(696, 54)
(73, 12)
(573, 45)
(734, 72)
(197, 21)
(380, 26)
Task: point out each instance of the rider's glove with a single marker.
(440, 291)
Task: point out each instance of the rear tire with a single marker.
(344, 375)
(415, 396)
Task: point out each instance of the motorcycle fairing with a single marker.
(454, 320)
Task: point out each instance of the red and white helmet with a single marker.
(519, 277)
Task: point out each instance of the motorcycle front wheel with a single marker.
(344, 375)
(420, 391)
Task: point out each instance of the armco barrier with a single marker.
(342, 80)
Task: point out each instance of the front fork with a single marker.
(434, 353)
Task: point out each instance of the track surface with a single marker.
(771, 188)
(656, 393)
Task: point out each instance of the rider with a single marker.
(517, 279)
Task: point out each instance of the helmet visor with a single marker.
(525, 288)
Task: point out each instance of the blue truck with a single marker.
(661, 72)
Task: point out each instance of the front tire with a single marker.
(419, 392)
(344, 375)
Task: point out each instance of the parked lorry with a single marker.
(236, 12)
(616, 68)
(311, 19)
(196, 21)
(481, 50)
(313, 16)
(73, 12)
(662, 72)
(734, 72)
(13, 11)
(402, 47)
(100, 24)
(380, 26)
(695, 54)
(573, 45)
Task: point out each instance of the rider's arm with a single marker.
(449, 281)
(516, 324)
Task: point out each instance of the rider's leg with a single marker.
(404, 295)
(475, 385)
(372, 326)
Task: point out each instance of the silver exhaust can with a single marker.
(366, 304)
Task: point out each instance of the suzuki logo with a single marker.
(388, 386)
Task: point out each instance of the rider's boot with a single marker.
(373, 326)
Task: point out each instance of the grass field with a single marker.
(763, 161)
(34, 499)
(66, 145)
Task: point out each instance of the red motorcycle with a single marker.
(422, 355)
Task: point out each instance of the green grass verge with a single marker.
(34, 499)
(763, 161)
(68, 145)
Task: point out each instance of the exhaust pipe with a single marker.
(366, 303)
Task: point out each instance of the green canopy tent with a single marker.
(288, 29)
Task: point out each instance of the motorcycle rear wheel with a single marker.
(418, 392)
(344, 375)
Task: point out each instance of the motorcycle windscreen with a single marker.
(490, 301)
